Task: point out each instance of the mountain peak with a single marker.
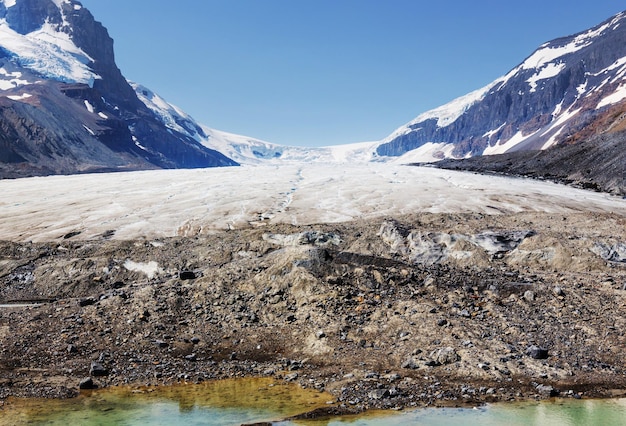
(38, 37)
(26, 16)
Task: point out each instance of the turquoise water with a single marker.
(234, 402)
(556, 413)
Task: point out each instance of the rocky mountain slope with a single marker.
(65, 107)
(593, 158)
(598, 163)
(559, 90)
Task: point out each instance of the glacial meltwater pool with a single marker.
(240, 401)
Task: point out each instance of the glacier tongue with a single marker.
(187, 202)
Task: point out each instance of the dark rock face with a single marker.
(93, 38)
(53, 137)
(528, 100)
(30, 15)
(66, 127)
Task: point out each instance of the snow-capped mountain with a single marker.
(562, 87)
(65, 107)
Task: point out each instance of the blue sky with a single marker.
(326, 72)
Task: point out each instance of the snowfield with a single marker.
(187, 202)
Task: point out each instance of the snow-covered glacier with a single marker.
(188, 202)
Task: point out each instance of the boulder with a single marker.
(547, 390)
(87, 384)
(444, 356)
(187, 275)
(98, 370)
(536, 352)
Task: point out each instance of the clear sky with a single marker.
(326, 72)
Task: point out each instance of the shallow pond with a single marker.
(233, 402)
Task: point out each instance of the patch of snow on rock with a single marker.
(19, 97)
(150, 269)
(615, 97)
(549, 71)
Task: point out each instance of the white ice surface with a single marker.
(49, 52)
(184, 202)
(150, 269)
(427, 153)
(19, 97)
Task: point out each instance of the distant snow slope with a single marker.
(248, 150)
(186, 202)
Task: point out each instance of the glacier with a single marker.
(167, 203)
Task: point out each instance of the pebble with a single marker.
(529, 296)
(88, 301)
(291, 377)
(445, 356)
(410, 364)
(379, 394)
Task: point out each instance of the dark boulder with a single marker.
(187, 275)
(98, 370)
(87, 384)
(536, 352)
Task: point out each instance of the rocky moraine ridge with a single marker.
(429, 309)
